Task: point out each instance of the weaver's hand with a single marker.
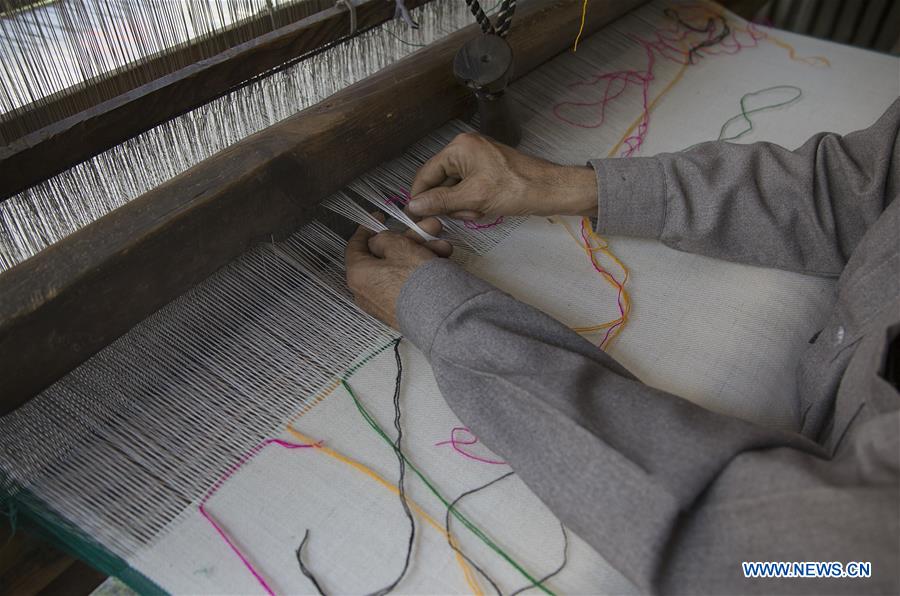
(475, 177)
(379, 264)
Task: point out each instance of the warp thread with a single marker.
(218, 484)
(404, 198)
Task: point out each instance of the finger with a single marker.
(467, 215)
(433, 226)
(388, 245)
(357, 251)
(443, 200)
(429, 225)
(437, 171)
(441, 248)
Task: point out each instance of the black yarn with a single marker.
(555, 572)
(481, 571)
(401, 490)
(726, 30)
(447, 528)
(304, 569)
(710, 27)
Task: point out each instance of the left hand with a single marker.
(379, 264)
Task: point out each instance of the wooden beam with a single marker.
(80, 97)
(80, 294)
(31, 565)
(47, 151)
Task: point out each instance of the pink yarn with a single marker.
(473, 225)
(662, 43)
(224, 478)
(455, 442)
(620, 287)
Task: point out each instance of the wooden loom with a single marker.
(77, 296)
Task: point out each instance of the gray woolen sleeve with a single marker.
(802, 210)
(672, 495)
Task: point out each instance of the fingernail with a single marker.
(413, 207)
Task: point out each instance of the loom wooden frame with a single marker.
(80, 294)
(51, 149)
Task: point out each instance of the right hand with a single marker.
(475, 177)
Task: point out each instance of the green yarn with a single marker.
(458, 515)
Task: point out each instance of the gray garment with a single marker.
(672, 495)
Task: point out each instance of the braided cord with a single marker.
(504, 19)
(481, 18)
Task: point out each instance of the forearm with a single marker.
(802, 210)
(616, 460)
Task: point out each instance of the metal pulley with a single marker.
(484, 64)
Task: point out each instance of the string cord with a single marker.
(401, 460)
(707, 43)
(542, 580)
(581, 27)
(455, 443)
(365, 470)
(451, 508)
(401, 492)
(745, 113)
(428, 484)
(556, 571)
(304, 569)
(504, 18)
(480, 18)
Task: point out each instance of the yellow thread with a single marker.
(593, 328)
(650, 107)
(467, 571)
(316, 401)
(792, 53)
(581, 29)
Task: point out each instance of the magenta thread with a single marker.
(616, 83)
(222, 480)
(620, 286)
(455, 443)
